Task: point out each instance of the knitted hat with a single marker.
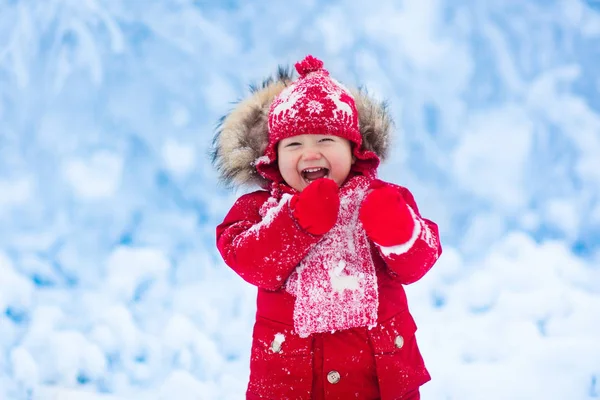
(314, 104)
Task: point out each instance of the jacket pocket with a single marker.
(280, 362)
(398, 361)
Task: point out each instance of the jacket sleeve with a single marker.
(408, 262)
(263, 251)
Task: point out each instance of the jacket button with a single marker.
(333, 377)
(399, 341)
(276, 346)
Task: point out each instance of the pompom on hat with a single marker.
(314, 104)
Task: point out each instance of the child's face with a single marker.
(304, 158)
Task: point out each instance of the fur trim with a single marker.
(242, 135)
(375, 123)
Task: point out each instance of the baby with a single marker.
(328, 245)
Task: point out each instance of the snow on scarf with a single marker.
(335, 285)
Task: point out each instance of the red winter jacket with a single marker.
(382, 362)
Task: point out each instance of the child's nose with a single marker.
(311, 154)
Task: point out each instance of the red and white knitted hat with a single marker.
(314, 104)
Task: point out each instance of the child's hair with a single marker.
(244, 147)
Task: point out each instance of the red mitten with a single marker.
(386, 217)
(316, 207)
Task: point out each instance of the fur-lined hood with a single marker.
(242, 135)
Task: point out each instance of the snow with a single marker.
(110, 283)
(494, 144)
(340, 282)
(25, 370)
(131, 272)
(271, 211)
(14, 193)
(179, 158)
(95, 177)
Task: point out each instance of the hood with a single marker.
(242, 135)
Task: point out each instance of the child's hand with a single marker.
(316, 207)
(386, 217)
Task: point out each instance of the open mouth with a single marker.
(311, 174)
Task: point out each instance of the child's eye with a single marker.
(293, 144)
(326, 140)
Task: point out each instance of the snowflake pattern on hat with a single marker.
(314, 104)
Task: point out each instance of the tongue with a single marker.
(311, 176)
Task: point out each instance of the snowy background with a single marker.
(109, 278)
